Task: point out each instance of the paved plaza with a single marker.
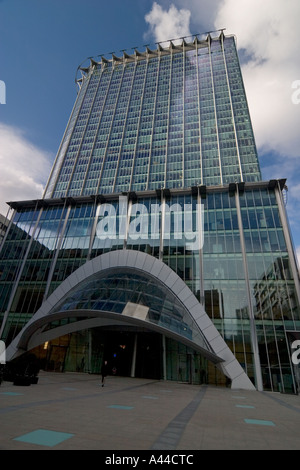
(71, 411)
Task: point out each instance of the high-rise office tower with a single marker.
(171, 118)
(156, 245)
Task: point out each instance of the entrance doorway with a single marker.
(132, 353)
(149, 356)
(56, 356)
(185, 373)
(118, 348)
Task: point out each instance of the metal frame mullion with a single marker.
(288, 239)
(253, 335)
(201, 258)
(183, 117)
(168, 125)
(125, 123)
(162, 226)
(84, 132)
(199, 111)
(98, 126)
(154, 114)
(93, 232)
(16, 282)
(139, 123)
(128, 215)
(111, 125)
(231, 107)
(54, 260)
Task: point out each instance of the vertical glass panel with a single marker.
(74, 245)
(160, 125)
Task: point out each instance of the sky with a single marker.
(42, 42)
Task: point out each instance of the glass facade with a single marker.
(242, 269)
(159, 156)
(112, 292)
(170, 118)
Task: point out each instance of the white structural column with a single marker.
(11, 219)
(162, 226)
(93, 232)
(201, 235)
(288, 239)
(164, 357)
(127, 216)
(253, 335)
(133, 363)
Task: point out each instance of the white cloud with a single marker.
(171, 24)
(24, 168)
(268, 32)
(203, 13)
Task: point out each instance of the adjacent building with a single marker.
(156, 245)
(3, 227)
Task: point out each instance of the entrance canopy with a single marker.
(129, 287)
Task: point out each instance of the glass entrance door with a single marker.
(185, 368)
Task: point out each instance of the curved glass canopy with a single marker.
(129, 287)
(113, 291)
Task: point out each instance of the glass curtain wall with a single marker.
(169, 118)
(225, 290)
(274, 297)
(46, 244)
(26, 260)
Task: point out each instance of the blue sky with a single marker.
(43, 41)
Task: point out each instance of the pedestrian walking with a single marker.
(104, 372)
